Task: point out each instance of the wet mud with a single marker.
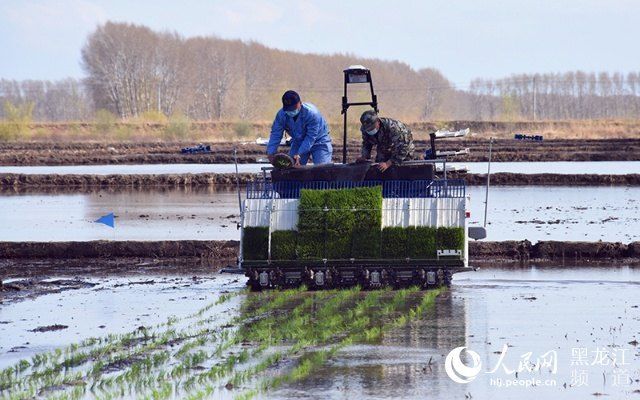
(39, 268)
(9, 182)
(22, 289)
(39, 261)
(49, 328)
(86, 153)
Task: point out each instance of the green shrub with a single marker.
(365, 243)
(123, 132)
(178, 127)
(153, 116)
(8, 132)
(394, 243)
(421, 242)
(105, 121)
(283, 245)
(242, 129)
(450, 238)
(255, 243)
(310, 244)
(16, 121)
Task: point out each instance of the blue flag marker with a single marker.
(107, 220)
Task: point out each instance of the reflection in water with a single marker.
(529, 167)
(270, 337)
(204, 213)
(183, 213)
(396, 367)
(533, 310)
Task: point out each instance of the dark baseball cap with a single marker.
(289, 100)
(368, 119)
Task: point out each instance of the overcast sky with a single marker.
(41, 39)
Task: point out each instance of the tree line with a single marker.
(133, 71)
(65, 100)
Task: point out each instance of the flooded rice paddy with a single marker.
(530, 332)
(515, 213)
(531, 167)
(549, 332)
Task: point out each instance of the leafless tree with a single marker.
(131, 70)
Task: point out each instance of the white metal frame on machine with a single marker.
(282, 214)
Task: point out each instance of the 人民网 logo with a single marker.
(457, 370)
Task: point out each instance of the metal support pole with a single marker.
(344, 139)
(486, 196)
(444, 169)
(235, 157)
(271, 210)
(345, 107)
(241, 225)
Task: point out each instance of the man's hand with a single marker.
(361, 160)
(271, 157)
(296, 161)
(384, 165)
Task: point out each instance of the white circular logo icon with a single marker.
(457, 370)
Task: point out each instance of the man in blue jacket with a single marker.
(308, 130)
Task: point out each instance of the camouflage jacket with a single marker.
(393, 142)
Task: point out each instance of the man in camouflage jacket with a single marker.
(392, 138)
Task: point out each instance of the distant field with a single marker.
(248, 131)
(146, 150)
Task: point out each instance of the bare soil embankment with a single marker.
(32, 181)
(511, 179)
(34, 259)
(20, 259)
(158, 152)
(206, 179)
(553, 251)
(208, 249)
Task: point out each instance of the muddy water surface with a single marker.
(531, 167)
(572, 316)
(515, 213)
(570, 322)
(140, 215)
(114, 305)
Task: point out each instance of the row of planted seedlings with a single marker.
(347, 223)
(106, 372)
(203, 364)
(271, 326)
(364, 320)
(313, 331)
(97, 363)
(214, 356)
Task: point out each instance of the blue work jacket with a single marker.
(306, 130)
